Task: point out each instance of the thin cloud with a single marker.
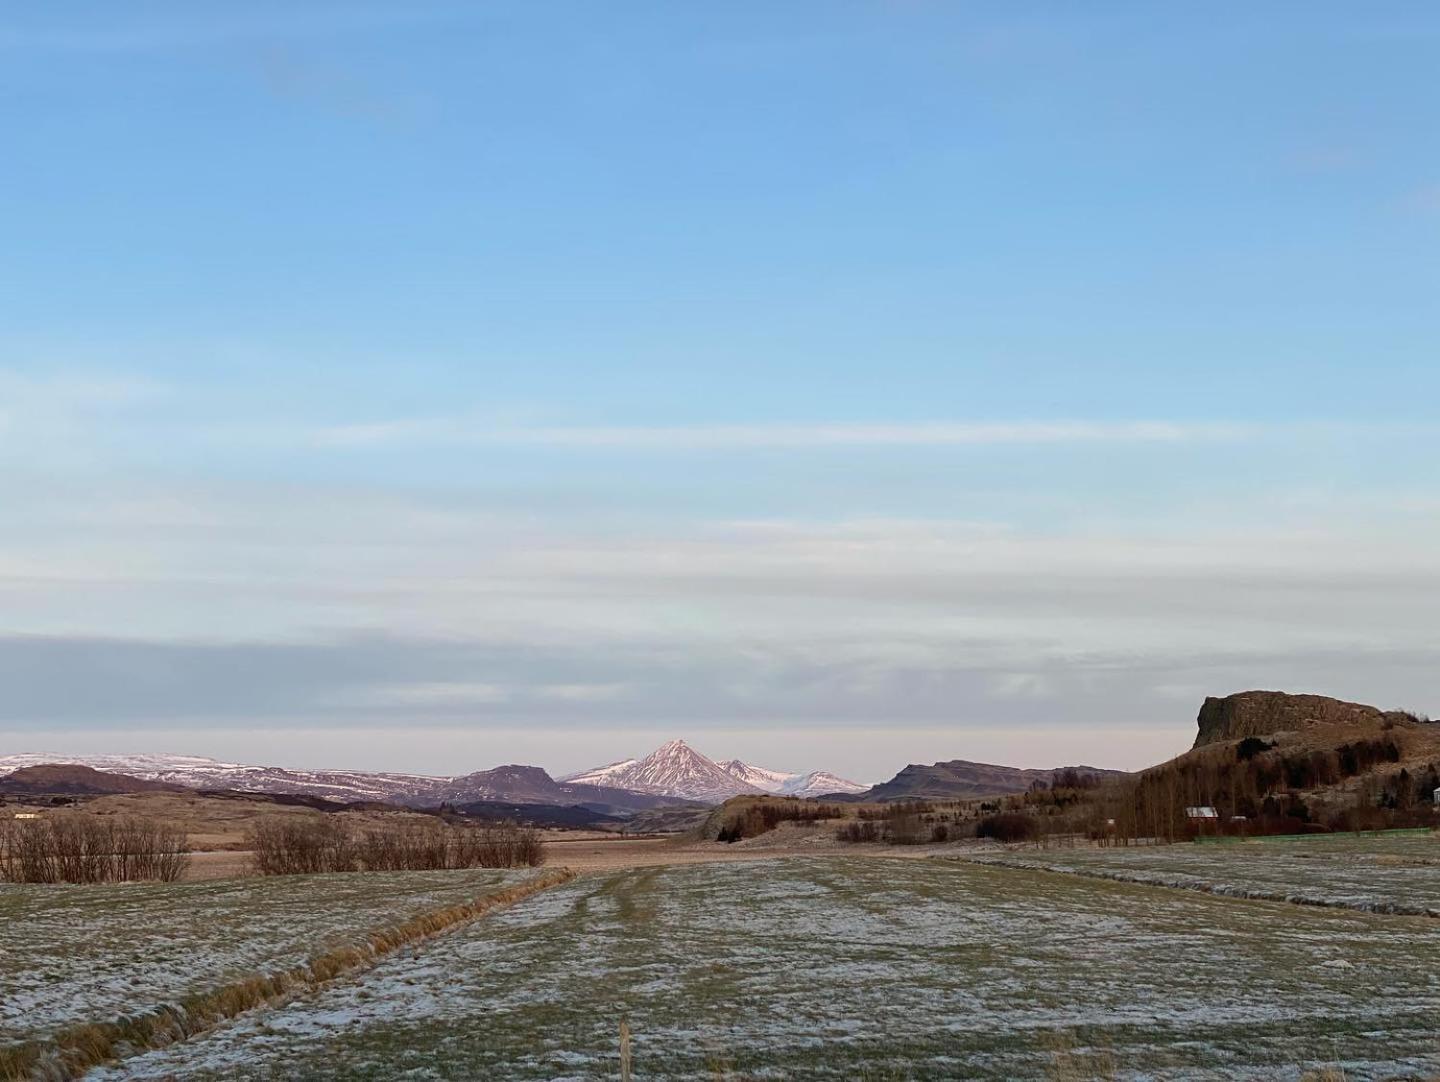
(751, 436)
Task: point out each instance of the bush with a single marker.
(858, 830)
(299, 846)
(761, 818)
(81, 849)
(1008, 827)
(904, 826)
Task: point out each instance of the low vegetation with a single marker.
(902, 823)
(753, 818)
(81, 849)
(307, 846)
(1009, 827)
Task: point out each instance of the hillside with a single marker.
(960, 779)
(69, 779)
(1268, 762)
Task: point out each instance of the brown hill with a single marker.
(1269, 763)
(960, 779)
(69, 779)
(1264, 713)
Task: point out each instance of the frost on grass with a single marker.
(94, 953)
(1397, 873)
(853, 969)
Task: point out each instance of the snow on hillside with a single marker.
(772, 781)
(821, 783)
(678, 770)
(197, 772)
(602, 775)
(674, 769)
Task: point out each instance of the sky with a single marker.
(839, 385)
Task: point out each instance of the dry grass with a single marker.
(71, 1052)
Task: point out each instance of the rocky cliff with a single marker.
(1260, 713)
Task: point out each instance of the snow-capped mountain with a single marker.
(524, 784)
(772, 781)
(674, 769)
(821, 783)
(678, 770)
(197, 772)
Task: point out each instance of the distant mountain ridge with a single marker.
(960, 779)
(672, 774)
(73, 779)
(515, 784)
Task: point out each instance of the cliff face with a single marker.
(1260, 713)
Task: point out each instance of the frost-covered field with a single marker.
(846, 969)
(93, 953)
(1383, 873)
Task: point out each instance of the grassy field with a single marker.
(1381, 873)
(855, 969)
(92, 953)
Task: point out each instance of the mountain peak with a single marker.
(674, 769)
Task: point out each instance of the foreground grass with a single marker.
(76, 954)
(864, 969)
(73, 1050)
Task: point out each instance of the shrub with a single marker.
(81, 849)
(858, 830)
(761, 818)
(299, 846)
(1008, 827)
(904, 826)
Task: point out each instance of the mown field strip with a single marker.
(75, 1049)
(1224, 890)
(1396, 876)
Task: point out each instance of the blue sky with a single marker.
(838, 384)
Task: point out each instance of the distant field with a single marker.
(1386, 872)
(856, 969)
(92, 953)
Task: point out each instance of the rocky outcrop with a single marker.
(1261, 713)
